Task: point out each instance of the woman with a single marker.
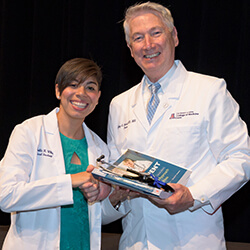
(43, 174)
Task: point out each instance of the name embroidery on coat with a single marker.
(125, 125)
(44, 152)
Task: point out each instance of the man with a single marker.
(196, 125)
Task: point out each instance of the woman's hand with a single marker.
(95, 192)
(92, 189)
(81, 178)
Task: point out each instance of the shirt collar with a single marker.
(164, 81)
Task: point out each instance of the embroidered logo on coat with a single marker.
(180, 115)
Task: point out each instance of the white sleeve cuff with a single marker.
(200, 201)
(110, 214)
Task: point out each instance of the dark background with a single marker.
(37, 37)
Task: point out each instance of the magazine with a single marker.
(141, 173)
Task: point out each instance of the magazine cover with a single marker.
(141, 173)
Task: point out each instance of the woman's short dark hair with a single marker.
(79, 70)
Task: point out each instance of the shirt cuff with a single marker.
(200, 201)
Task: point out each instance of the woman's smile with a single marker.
(78, 104)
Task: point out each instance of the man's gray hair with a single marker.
(155, 8)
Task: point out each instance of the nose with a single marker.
(81, 90)
(148, 42)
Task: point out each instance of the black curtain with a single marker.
(37, 37)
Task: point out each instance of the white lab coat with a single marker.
(197, 126)
(34, 185)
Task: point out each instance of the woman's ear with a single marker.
(57, 92)
(99, 94)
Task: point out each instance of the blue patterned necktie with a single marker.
(154, 101)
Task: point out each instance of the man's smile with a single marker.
(152, 55)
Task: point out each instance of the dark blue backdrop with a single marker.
(36, 37)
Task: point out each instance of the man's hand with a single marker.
(120, 194)
(179, 201)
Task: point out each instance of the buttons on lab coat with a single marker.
(165, 105)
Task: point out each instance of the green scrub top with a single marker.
(74, 234)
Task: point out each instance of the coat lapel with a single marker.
(53, 139)
(93, 146)
(172, 93)
(138, 108)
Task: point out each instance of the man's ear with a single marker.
(131, 50)
(175, 36)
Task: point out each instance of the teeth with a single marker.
(79, 104)
(153, 55)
